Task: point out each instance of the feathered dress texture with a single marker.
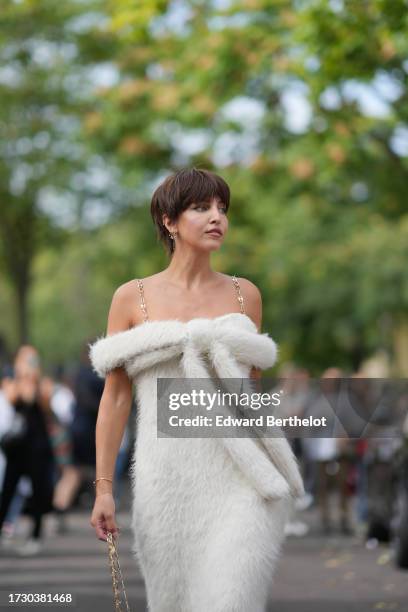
(208, 514)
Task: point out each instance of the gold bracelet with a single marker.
(101, 478)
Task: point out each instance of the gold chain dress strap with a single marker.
(239, 294)
(142, 300)
(119, 599)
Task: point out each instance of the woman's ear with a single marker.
(170, 227)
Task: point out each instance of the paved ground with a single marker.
(316, 573)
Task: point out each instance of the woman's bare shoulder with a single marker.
(150, 281)
(119, 311)
(127, 298)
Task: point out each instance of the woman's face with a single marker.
(202, 225)
(27, 363)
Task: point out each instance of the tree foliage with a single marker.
(318, 216)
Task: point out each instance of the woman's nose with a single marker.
(215, 213)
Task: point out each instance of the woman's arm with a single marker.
(116, 400)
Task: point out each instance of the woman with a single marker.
(208, 513)
(31, 454)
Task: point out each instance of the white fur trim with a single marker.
(154, 342)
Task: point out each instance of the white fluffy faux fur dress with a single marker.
(208, 513)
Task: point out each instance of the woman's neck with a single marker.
(189, 272)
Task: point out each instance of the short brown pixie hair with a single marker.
(175, 194)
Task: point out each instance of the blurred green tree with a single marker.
(308, 193)
(300, 105)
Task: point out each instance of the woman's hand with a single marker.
(45, 392)
(103, 516)
(9, 388)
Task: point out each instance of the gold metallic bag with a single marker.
(119, 593)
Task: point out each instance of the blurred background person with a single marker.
(30, 452)
(87, 389)
(6, 412)
(67, 476)
(330, 455)
(8, 424)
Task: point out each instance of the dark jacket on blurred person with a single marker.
(88, 389)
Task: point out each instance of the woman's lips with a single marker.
(214, 233)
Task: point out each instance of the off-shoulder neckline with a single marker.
(157, 321)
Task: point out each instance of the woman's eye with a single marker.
(205, 207)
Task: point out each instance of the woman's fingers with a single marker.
(111, 525)
(100, 529)
(103, 517)
(105, 525)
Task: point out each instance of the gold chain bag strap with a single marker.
(119, 593)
